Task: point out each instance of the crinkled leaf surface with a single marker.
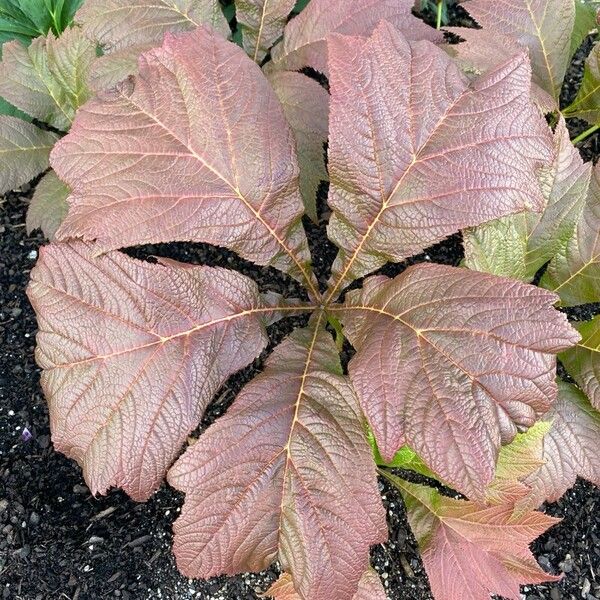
(369, 588)
(443, 155)
(198, 150)
(587, 102)
(306, 106)
(472, 551)
(570, 448)
(583, 361)
(110, 69)
(305, 38)
(48, 206)
(444, 365)
(286, 473)
(574, 273)
(132, 353)
(48, 79)
(542, 26)
(518, 245)
(24, 151)
(480, 52)
(262, 23)
(117, 24)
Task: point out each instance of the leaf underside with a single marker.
(456, 373)
(286, 473)
(110, 329)
(388, 198)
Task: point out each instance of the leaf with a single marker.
(544, 27)
(472, 551)
(262, 23)
(48, 206)
(583, 361)
(6, 108)
(480, 52)
(575, 271)
(585, 23)
(443, 155)
(516, 461)
(518, 245)
(306, 107)
(570, 448)
(48, 80)
(443, 365)
(287, 473)
(305, 37)
(208, 175)
(118, 24)
(133, 352)
(586, 103)
(24, 151)
(369, 588)
(111, 69)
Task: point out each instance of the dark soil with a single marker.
(59, 542)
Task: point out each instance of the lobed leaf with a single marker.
(457, 373)
(575, 271)
(472, 551)
(133, 352)
(544, 27)
(583, 361)
(48, 205)
(48, 79)
(118, 24)
(306, 106)
(400, 170)
(305, 37)
(587, 102)
(221, 166)
(480, 52)
(570, 448)
(369, 588)
(24, 151)
(518, 245)
(287, 473)
(262, 23)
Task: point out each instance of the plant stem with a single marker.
(440, 8)
(586, 134)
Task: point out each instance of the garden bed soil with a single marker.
(59, 542)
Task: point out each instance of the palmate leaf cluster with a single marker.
(174, 132)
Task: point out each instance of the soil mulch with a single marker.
(59, 542)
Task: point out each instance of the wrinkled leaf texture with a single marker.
(48, 205)
(110, 328)
(471, 551)
(456, 373)
(399, 169)
(285, 474)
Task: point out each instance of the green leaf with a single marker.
(48, 206)
(405, 458)
(48, 80)
(574, 272)
(587, 102)
(585, 21)
(518, 245)
(6, 108)
(300, 6)
(583, 361)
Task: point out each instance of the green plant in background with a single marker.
(439, 8)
